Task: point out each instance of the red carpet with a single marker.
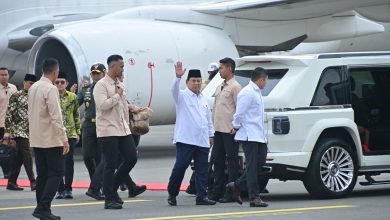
(85, 185)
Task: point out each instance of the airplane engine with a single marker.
(149, 48)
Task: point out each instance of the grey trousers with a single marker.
(255, 155)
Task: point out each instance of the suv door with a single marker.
(371, 101)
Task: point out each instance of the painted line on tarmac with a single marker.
(70, 204)
(231, 214)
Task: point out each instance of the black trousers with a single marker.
(66, 182)
(184, 155)
(113, 147)
(91, 147)
(97, 179)
(23, 157)
(5, 168)
(49, 164)
(225, 149)
(255, 155)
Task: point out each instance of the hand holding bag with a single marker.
(139, 120)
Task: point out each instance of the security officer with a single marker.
(91, 149)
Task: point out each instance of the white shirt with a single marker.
(249, 116)
(193, 117)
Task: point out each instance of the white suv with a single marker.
(327, 117)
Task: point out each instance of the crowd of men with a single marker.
(45, 116)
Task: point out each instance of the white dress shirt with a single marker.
(193, 117)
(249, 116)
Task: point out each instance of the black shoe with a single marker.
(191, 190)
(118, 199)
(45, 215)
(60, 195)
(112, 205)
(14, 187)
(95, 194)
(122, 187)
(138, 190)
(172, 200)
(226, 199)
(68, 194)
(205, 201)
(214, 197)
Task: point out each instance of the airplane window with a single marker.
(274, 76)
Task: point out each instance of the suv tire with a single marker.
(332, 172)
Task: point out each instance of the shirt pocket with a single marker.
(227, 93)
(204, 108)
(256, 102)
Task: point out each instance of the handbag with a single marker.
(7, 153)
(139, 120)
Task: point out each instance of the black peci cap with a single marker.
(30, 77)
(62, 75)
(194, 73)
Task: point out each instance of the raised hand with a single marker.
(179, 69)
(73, 88)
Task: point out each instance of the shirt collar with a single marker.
(66, 93)
(110, 80)
(5, 87)
(45, 79)
(254, 86)
(230, 81)
(187, 90)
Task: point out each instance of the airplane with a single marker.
(153, 35)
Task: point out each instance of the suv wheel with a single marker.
(332, 172)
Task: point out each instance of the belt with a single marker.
(91, 120)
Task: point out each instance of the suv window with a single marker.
(274, 76)
(332, 89)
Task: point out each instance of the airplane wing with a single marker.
(284, 24)
(283, 10)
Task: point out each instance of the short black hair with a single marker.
(49, 65)
(3, 68)
(258, 73)
(229, 62)
(113, 58)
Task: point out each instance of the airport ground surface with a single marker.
(287, 200)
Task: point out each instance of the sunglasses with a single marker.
(57, 82)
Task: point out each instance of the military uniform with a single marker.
(91, 149)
